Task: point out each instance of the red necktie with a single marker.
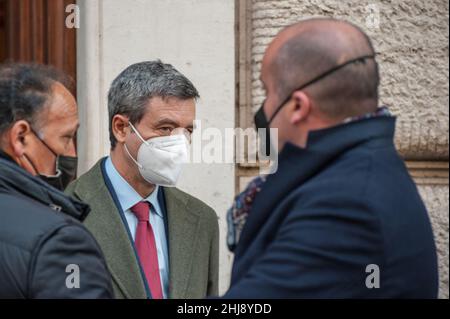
(146, 248)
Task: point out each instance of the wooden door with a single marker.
(35, 31)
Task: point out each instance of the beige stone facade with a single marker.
(411, 41)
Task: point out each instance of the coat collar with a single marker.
(297, 165)
(15, 180)
(183, 225)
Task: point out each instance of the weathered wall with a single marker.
(411, 40)
(436, 199)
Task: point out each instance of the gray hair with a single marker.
(132, 89)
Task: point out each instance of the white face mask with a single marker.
(160, 159)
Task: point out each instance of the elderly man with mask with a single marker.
(159, 242)
(45, 251)
(341, 218)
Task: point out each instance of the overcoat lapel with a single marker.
(183, 226)
(105, 223)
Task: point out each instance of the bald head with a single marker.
(310, 48)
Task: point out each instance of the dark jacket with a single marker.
(343, 203)
(43, 245)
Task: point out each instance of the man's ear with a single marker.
(17, 138)
(300, 108)
(120, 127)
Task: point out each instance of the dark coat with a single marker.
(341, 204)
(41, 238)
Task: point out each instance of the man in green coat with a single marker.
(158, 241)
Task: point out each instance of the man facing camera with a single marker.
(159, 242)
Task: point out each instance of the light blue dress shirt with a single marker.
(128, 197)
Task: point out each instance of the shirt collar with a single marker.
(126, 194)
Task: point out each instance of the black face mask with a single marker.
(66, 169)
(260, 119)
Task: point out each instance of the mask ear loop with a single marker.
(31, 163)
(361, 59)
(132, 158)
(138, 134)
(57, 170)
(126, 148)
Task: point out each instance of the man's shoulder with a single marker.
(359, 170)
(368, 180)
(88, 183)
(345, 175)
(21, 207)
(191, 202)
(39, 218)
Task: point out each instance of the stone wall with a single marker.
(411, 41)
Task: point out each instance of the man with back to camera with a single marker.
(341, 218)
(43, 245)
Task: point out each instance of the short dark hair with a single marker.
(132, 89)
(25, 88)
